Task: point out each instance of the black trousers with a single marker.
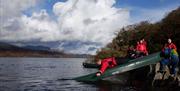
(121, 60)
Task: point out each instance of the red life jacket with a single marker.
(145, 43)
(172, 46)
(107, 63)
(142, 48)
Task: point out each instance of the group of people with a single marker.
(139, 51)
(169, 54)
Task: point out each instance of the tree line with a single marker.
(155, 34)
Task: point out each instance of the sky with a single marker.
(75, 26)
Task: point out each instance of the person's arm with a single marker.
(109, 62)
(145, 51)
(174, 47)
(104, 66)
(165, 46)
(137, 47)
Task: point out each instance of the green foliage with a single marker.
(110, 53)
(156, 35)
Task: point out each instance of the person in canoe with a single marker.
(144, 42)
(131, 52)
(141, 49)
(170, 58)
(109, 63)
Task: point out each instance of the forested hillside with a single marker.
(156, 35)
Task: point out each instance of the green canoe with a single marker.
(94, 65)
(130, 65)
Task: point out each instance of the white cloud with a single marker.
(90, 20)
(37, 27)
(78, 20)
(10, 17)
(13, 8)
(79, 47)
(85, 49)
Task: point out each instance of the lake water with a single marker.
(48, 74)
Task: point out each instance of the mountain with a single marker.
(40, 48)
(9, 50)
(5, 46)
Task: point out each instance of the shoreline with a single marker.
(41, 54)
(36, 57)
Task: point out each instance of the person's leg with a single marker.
(137, 53)
(106, 63)
(174, 64)
(133, 55)
(120, 60)
(163, 63)
(141, 54)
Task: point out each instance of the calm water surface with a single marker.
(48, 74)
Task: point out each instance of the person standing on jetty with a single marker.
(170, 45)
(170, 58)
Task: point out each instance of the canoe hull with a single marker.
(130, 65)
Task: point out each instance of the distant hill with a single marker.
(41, 48)
(6, 46)
(9, 50)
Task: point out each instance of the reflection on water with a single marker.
(48, 74)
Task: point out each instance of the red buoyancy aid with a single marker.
(142, 48)
(145, 43)
(172, 46)
(107, 63)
